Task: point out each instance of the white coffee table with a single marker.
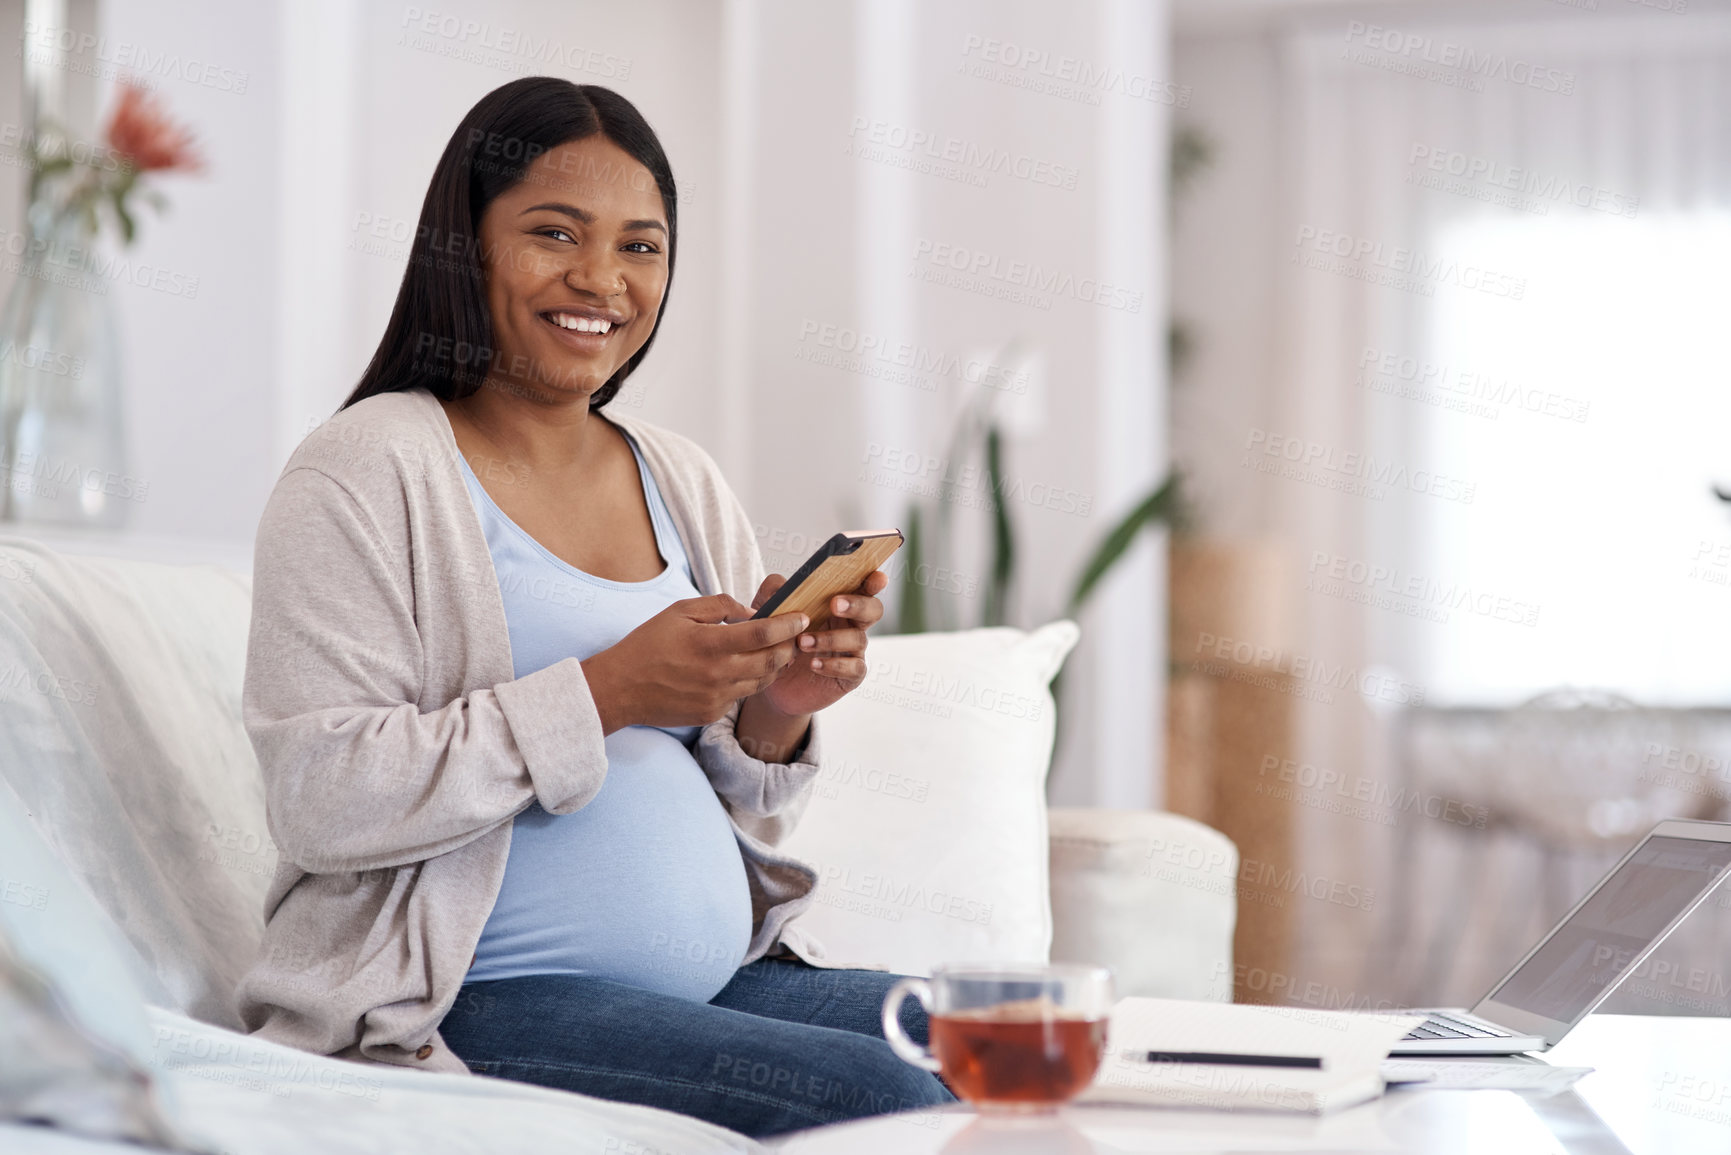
(1662, 1086)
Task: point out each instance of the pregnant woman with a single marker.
(527, 761)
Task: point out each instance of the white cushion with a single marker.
(120, 730)
(928, 824)
(1151, 895)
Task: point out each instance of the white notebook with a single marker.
(1350, 1044)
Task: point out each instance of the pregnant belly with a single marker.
(644, 885)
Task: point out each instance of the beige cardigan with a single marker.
(397, 747)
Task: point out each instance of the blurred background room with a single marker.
(1346, 369)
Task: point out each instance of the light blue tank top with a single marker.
(645, 884)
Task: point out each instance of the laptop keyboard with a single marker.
(1448, 1027)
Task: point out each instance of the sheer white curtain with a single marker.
(1500, 392)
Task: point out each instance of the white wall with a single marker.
(14, 181)
(202, 368)
(1222, 287)
(835, 237)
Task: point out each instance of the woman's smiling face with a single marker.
(575, 256)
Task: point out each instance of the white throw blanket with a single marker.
(251, 1097)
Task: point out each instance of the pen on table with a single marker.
(1210, 1057)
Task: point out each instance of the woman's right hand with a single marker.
(689, 663)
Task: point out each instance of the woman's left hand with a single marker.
(827, 662)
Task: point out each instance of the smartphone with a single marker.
(838, 567)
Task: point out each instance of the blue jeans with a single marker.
(783, 1046)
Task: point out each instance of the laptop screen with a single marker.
(1619, 920)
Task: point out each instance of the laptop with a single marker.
(1576, 967)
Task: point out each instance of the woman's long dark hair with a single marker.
(441, 332)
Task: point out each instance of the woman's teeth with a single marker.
(580, 324)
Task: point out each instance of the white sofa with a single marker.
(121, 742)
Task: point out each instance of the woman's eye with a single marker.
(557, 233)
(641, 247)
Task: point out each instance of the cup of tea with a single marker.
(1008, 1038)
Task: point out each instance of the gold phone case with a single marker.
(838, 574)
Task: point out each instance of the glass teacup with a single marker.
(1019, 1038)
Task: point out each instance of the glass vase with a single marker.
(62, 427)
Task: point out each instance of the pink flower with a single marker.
(143, 136)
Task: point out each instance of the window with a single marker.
(1601, 518)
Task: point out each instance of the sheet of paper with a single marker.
(1351, 1046)
(1344, 1040)
(1465, 1075)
